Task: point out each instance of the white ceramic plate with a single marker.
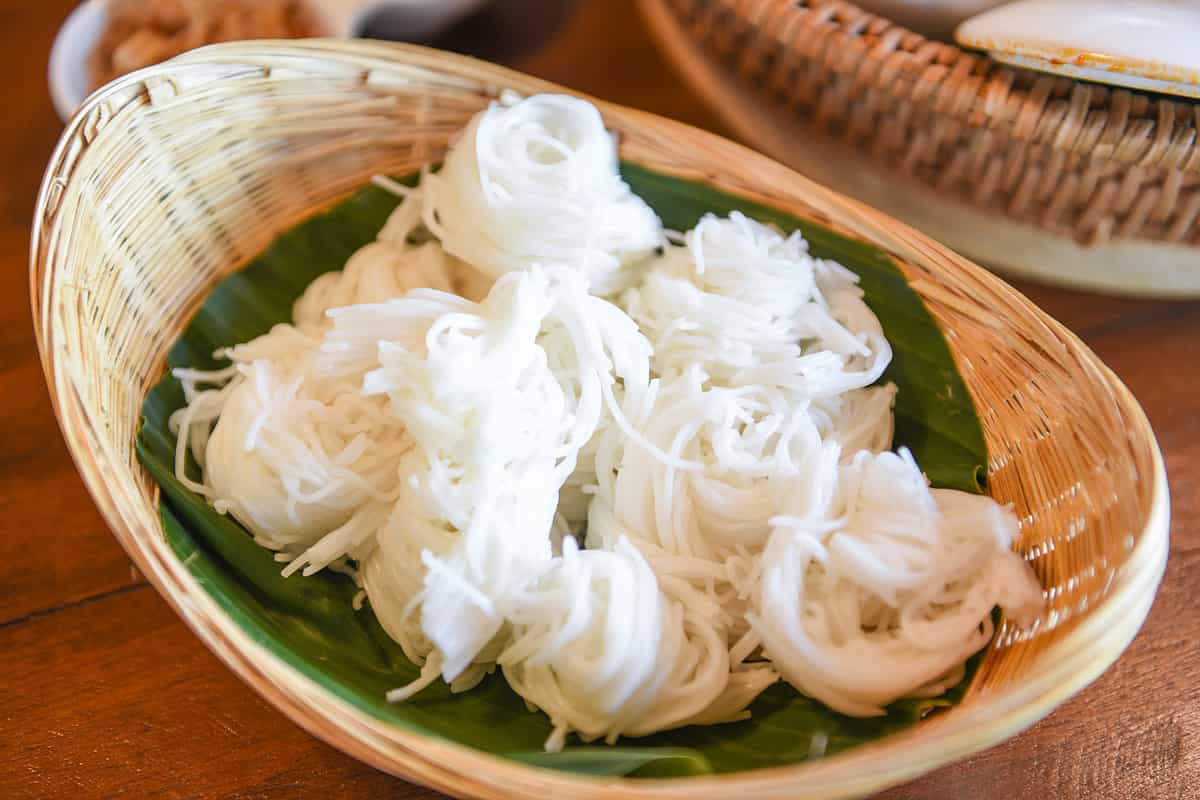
(1151, 45)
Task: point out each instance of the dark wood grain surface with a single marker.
(105, 693)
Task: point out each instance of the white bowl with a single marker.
(70, 81)
(78, 36)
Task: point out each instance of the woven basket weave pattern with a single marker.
(1077, 159)
(172, 178)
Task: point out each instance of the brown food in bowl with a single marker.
(144, 32)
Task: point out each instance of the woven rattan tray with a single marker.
(1061, 180)
(173, 177)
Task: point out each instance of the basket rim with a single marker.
(459, 769)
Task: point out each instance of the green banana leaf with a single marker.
(310, 623)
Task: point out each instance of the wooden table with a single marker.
(105, 693)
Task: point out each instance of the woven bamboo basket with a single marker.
(1060, 180)
(171, 178)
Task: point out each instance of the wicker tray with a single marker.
(171, 178)
(1058, 180)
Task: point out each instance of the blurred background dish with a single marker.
(104, 39)
(141, 33)
(1059, 180)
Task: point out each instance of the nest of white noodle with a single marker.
(446, 417)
